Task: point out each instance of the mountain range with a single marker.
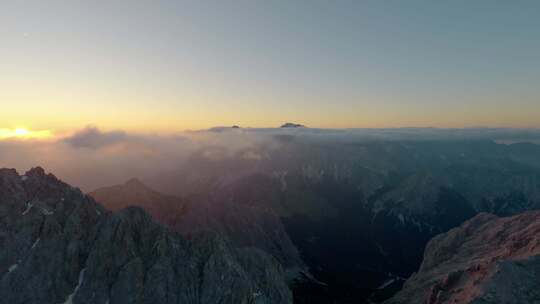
(389, 198)
(60, 246)
(304, 221)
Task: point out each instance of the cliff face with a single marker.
(60, 246)
(244, 225)
(486, 260)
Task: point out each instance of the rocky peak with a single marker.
(486, 260)
(60, 246)
(36, 172)
(164, 208)
(6, 173)
(244, 226)
(292, 125)
(135, 183)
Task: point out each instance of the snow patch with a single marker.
(391, 280)
(28, 207)
(387, 283)
(69, 299)
(12, 268)
(401, 218)
(46, 212)
(35, 244)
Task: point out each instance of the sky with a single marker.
(164, 66)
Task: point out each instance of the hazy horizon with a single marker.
(103, 91)
(91, 157)
(165, 66)
(285, 152)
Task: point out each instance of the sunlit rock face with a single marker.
(486, 260)
(60, 246)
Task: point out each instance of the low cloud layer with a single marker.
(91, 158)
(92, 137)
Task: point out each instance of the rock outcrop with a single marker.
(243, 225)
(58, 245)
(166, 209)
(486, 260)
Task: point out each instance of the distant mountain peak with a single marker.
(292, 125)
(36, 171)
(224, 128)
(135, 182)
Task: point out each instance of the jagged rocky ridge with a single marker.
(243, 225)
(388, 197)
(60, 246)
(486, 260)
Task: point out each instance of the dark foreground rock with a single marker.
(59, 246)
(486, 260)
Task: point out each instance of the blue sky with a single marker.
(171, 65)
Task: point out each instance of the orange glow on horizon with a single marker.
(24, 133)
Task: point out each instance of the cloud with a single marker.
(93, 138)
(92, 158)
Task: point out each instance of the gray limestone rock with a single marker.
(60, 246)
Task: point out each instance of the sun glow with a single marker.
(23, 133)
